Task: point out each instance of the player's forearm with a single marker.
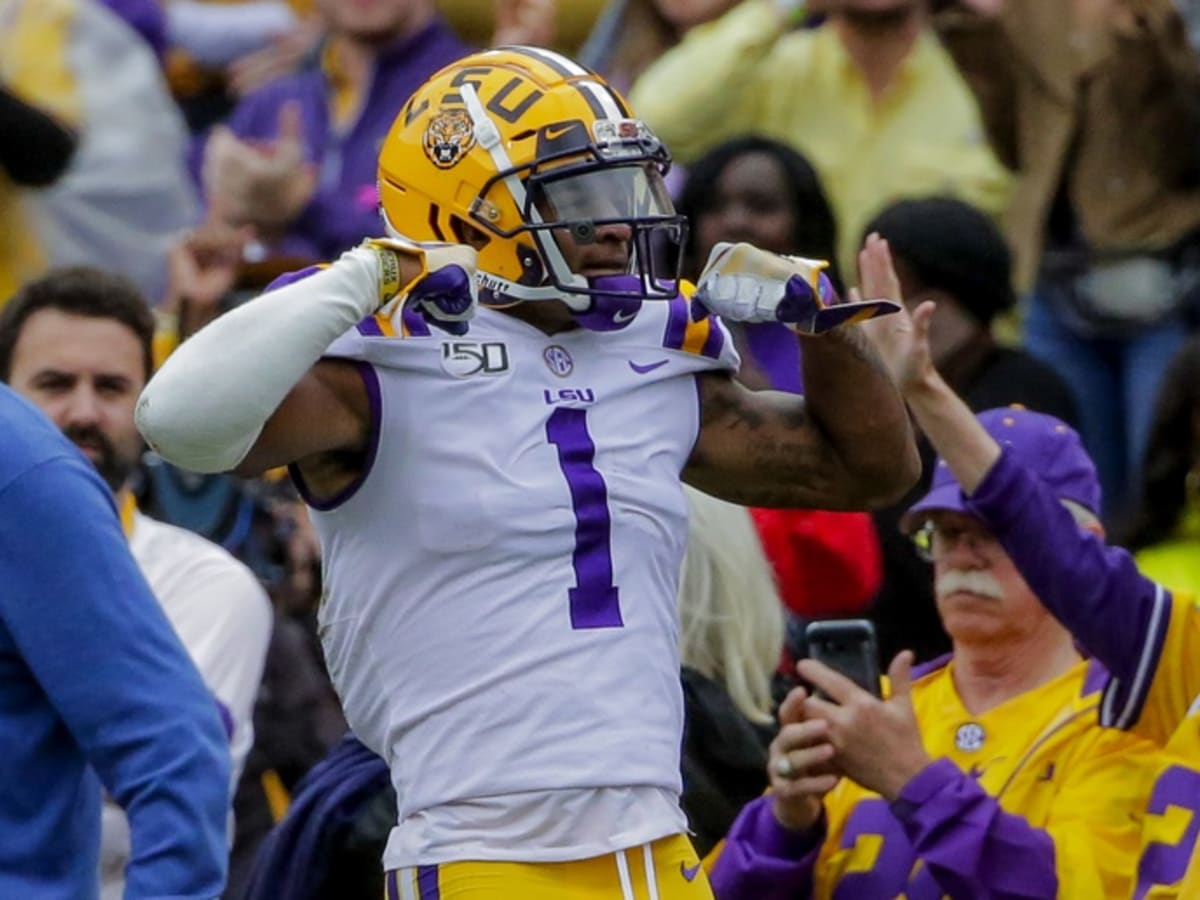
(854, 402)
(969, 846)
(206, 406)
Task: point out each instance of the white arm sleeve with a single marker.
(207, 405)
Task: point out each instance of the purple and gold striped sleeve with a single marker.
(691, 328)
(1148, 639)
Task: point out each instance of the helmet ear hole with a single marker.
(466, 233)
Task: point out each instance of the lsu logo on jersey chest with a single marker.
(568, 395)
(464, 359)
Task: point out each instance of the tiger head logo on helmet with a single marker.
(506, 148)
(448, 136)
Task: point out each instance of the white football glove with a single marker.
(742, 283)
(444, 292)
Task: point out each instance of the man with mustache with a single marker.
(1147, 636)
(77, 343)
(985, 773)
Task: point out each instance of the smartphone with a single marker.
(847, 646)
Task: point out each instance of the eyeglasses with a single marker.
(932, 540)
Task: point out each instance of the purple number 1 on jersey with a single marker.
(594, 601)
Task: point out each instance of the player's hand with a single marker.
(437, 280)
(742, 283)
(798, 765)
(876, 743)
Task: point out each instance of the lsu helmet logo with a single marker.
(448, 137)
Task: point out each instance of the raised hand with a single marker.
(902, 340)
(202, 267)
(875, 743)
(745, 284)
(798, 765)
(261, 185)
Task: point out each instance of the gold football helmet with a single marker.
(503, 148)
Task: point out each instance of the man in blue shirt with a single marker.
(93, 682)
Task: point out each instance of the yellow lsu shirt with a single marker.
(1162, 702)
(1043, 755)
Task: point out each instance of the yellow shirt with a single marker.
(1163, 704)
(1042, 755)
(742, 73)
(1175, 563)
(34, 66)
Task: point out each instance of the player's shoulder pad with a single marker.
(692, 328)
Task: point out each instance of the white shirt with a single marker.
(223, 618)
(500, 618)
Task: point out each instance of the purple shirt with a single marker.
(968, 846)
(344, 209)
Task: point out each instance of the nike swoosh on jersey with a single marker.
(649, 367)
(622, 316)
(689, 872)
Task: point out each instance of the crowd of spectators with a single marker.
(1034, 166)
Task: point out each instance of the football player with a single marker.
(489, 412)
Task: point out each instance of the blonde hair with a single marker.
(730, 615)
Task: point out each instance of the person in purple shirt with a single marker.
(299, 157)
(1146, 636)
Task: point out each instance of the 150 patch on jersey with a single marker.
(462, 359)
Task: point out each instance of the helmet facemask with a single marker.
(578, 183)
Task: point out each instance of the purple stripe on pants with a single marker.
(427, 883)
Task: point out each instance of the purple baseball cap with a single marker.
(1041, 443)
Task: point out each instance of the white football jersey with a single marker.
(500, 609)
